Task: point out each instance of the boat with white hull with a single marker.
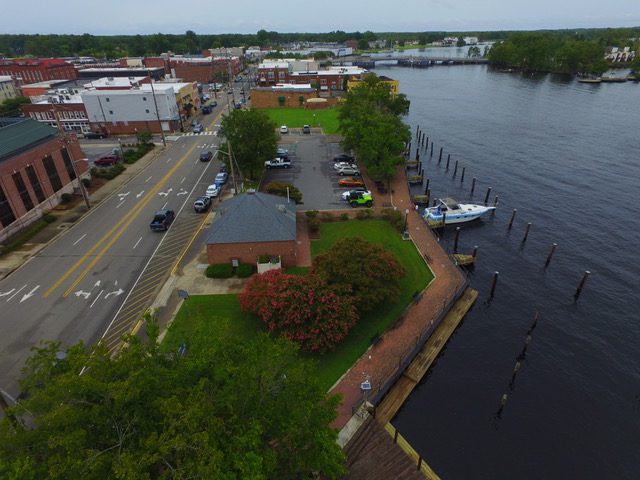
(454, 212)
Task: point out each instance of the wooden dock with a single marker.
(406, 447)
(401, 390)
(463, 260)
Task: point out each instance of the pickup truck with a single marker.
(161, 220)
(278, 163)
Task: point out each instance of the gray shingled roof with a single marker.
(253, 218)
(23, 135)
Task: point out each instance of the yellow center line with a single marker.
(131, 217)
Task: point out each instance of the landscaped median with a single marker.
(202, 318)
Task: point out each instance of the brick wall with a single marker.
(269, 98)
(34, 157)
(133, 127)
(248, 252)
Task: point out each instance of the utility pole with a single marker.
(155, 102)
(233, 176)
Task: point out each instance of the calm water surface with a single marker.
(567, 156)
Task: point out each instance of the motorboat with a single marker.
(454, 212)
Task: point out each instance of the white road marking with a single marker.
(164, 194)
(78, 240)
(82, 293)
(115, 292)
(183, 179)
(139, 240)
(122, 195)
(19, 290)
(97, 284)
(120, 204)
(182, 192)
(96, 299)
(168, 160)
(140, 194)
(164, 206)
(4, 294)
(27, 296)
(148, 179)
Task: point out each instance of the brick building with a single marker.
(253, 224)
(25, 71)
(307, 72)
(59, 110)
(37, 165)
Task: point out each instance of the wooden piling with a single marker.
(444, 220)
(440, 157)
(455, 241)
(417, 155)
(448, 160)
(475, 251)
(435, 201)
(494, 282)
(486, 197)
(462, 176)
(551, 252)
(473, 185)
(427, 143)
(495, 201)
(526, 232)
(585, 275)
(431, 149)
(427, 185)
(513, 216)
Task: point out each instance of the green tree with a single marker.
(231, 410)
(363, 44)
(460, 42)
(11, 106)
(371, 273)
(192, 42)
(253, 139)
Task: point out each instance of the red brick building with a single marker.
(288, 96)
(25, 71)
(250, 225)
(271, 73)
(37, 165)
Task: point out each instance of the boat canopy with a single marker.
(450, 203)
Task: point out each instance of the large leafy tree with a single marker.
(11, 106)
(253, 139)
(371, 273)
(371, 125)
(301, 308)
(232, 410)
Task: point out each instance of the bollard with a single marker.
(493, 284)
(431, 149)
(462, 176)
(486, 197)
(475, 251)
(526, 232)
(455, 241)
(513, 216)
(455, 169)
(585, 275)
(551, 252)
(448, 160)
(440, 158)
(473, 185)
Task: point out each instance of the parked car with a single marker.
(95, 135)
(223, 168)
(162, 220)
(213, 191)
(206, 110)
(339, 165)
(347, 195)
(361, 198)
(221, 178)
(213, 104)
(278, 163)
(206, 156)
(284, 129)
(197, 128)
(343, 157)
(306, 129)
(348, 170)
(106, 161)
(350, 182)
(282, 152)
(202, 204)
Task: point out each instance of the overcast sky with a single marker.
(113, 17)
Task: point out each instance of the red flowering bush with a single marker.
(303, 309)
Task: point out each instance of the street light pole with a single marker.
(406, 214)
(155, 102)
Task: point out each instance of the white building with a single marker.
(7, 88)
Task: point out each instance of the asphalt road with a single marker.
(76, 287)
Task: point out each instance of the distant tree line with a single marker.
(561, 51)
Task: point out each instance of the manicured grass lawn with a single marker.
(297, 117)
(202, 317)
(418, 276)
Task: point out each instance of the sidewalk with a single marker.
(66, 218)
(382, 359)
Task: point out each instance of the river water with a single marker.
(567, 157)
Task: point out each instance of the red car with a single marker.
(106, 161)
(350, 182)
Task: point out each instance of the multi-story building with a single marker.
(187, 97)
(149, 107)
(272, 72)
(37, 165)
(7, 88)
(94, 73)
(62, 109)
(394, 85)
(25, 71)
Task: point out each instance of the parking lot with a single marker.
(311, 171)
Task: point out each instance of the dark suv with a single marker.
(206, 156)
(162, 220)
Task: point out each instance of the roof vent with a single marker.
(281, 207)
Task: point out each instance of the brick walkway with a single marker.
(382, 359)
(303, 244)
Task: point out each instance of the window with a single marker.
(52, 173)
(110, 112)
(107, 99)
(67, 163)
(35, 183)
(22, 190)
(147, 110)
(281, 75)
(144, 99)
(6, 214)
(271, 75)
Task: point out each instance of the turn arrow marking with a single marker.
(27, 296)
